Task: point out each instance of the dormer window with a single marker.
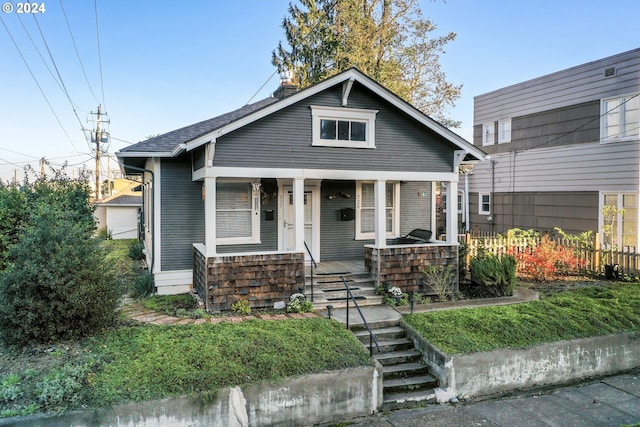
(343, 127)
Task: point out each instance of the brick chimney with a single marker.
(286, 88)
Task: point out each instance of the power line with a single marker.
(37, 83)
(95, 6)
(331, 8)
(77, 52)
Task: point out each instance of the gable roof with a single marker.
(190, 137)
(122, 200)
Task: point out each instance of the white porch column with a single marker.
(298, 213)
(452, 212)
(380, 191)
(210, 215)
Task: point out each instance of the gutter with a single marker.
(153, 211)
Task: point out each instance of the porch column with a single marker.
(452, 212)
(298, 213)
(380, 190)
(209, 194)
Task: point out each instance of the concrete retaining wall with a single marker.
(304, 400)
(512, 369)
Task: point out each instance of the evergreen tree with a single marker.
(389, 40)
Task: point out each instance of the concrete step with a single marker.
(405, 370)
(322, 303)
(383, 333)
(393, 345)
(396, 357)
(403, 385)
(412, 399)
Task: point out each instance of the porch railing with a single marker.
(313, 265)
(372, 338)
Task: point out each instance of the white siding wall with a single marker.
(594, 167)
(568, 87)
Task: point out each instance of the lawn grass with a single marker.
(141, 362)
(594, 311)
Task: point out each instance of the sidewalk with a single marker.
(609, 402)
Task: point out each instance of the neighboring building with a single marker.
(339, 168)
(561, 146)
(120, 213)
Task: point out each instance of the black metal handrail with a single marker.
(313, 264)
(372, 338)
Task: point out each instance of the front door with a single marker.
(288, 223)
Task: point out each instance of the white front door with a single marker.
(288, 223)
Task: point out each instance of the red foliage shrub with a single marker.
(547, 260)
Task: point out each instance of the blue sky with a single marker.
(167, 64)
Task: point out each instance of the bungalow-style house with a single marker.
(236, 205)
(562, 146)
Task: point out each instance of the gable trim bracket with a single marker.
(346, 90)
(458, 157)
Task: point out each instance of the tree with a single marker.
(56, 284)
(389, 40)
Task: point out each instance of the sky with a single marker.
(157, 65)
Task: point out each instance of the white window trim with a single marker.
(603, 117)
(319, 113)
(459, 202)
(485, 140)
(255, 216)
(480, 211)
(619, 220)
(507, 138)
(396, 212)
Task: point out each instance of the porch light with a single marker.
(329, 311)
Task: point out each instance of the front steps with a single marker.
(328, 289)
(406, 379)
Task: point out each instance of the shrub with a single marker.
(547, 260)
(136, 251)
(439, 280)
(241, 307)
(143, 285)
(497, 274)
(56, 284)
(105, 234)
(298, 304)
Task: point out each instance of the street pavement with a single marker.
(607, 402)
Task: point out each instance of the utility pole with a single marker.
(42, 161)
(98, 138)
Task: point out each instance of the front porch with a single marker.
(265, 279)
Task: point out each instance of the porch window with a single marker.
(366, 209)
(343, 127)
(484, 203)
(237, 213)
(625, 228)
(620, 118)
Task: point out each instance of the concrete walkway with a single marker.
(610, 402)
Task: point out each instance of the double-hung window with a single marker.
(623, 229)
(504, 131)
(488, 134)
(237, 212)
(620, 118)
(366, 210)
(484, 202)
(343, 127)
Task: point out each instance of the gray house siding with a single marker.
(337, 237)
(283, 140)
(181, 214)
(576, 85)
(563, 126)
(573, 212)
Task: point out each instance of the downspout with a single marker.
(466, 202)
(153, 211)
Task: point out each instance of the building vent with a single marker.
(611, 71)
